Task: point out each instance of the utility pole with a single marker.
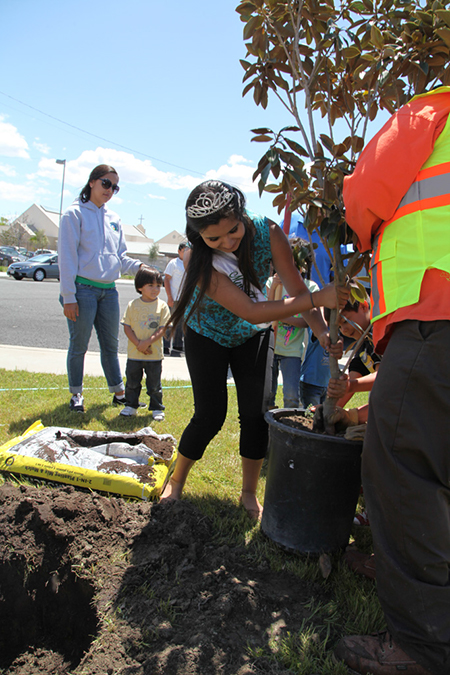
(63, 162)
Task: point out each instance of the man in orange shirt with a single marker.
(398, 203)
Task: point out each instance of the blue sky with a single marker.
(153, 88)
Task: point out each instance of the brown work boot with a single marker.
(361, 563)
(376, 654)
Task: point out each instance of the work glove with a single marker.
(342, 419)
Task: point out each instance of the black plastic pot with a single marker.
(312, 487)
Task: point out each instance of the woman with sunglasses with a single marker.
(91, 256)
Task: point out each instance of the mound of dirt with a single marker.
(97, 585)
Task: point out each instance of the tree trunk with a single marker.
(329, 405)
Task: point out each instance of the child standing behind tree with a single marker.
(144, 324)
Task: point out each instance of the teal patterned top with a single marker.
(219, 324)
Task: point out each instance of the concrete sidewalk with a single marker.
(37, 360)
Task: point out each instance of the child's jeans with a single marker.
(134, 373)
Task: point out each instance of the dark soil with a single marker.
(92, 585)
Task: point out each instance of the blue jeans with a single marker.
(134, 372)
(178, 337)
(99, 308)
(312, 394)
(290, 369)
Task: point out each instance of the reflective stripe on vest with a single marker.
(416, 238)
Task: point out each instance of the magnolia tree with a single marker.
(334, 66)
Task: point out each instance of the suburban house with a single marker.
(139, 245)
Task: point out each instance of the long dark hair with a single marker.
(98, 172)
(200, 268)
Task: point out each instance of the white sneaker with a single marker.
(128, 411)
(158, 415)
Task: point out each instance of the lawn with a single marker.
(352, 605)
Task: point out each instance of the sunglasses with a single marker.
(106, 183)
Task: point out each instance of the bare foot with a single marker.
(251, 504)
(172, 491)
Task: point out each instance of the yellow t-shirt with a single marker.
(144, 318)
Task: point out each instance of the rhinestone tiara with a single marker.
(209, 202)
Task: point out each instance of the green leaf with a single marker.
(444, 15)
(247, 88)
(252, 26)
(350, 52)
(444, 34)
(334, 238)
(297, 177)
(272, 155)
(264, 176)
(262, 138)
(326, 140)
(376, 36)
(272, 187)
(262, 130)
(300, 150)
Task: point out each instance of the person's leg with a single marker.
(251, 468)
(153, 370)
(177, 342)
(406, 478)
(167, 339)
(174, 488)
(207, 362)
(107, 326)
(133, 372)
(251, 365)
(79, 336)
(290, 369)
(311, 394)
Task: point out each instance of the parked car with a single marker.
(8, 255)
(39, 267)
(40, 251)
(25, 253)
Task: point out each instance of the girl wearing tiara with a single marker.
(227, 322)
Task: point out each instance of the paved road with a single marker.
(31, 316)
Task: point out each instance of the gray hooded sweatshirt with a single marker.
(91, 245)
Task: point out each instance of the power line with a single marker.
(100, 138)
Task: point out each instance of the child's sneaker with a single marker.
(361, 519)
(77, 403)
(158, 415)
(128, 411)
(119, 401)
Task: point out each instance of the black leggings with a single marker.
(208, 364)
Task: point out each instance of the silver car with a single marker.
(39, 267)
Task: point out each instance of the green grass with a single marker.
(213, 486)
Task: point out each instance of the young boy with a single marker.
(144, 324)
(355, 319)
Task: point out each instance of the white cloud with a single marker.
(26, 193)
(236, 172)
(12, 144)
(41, 147)
(142, 172)
(16, 193)
(8, 170)
(150, 196)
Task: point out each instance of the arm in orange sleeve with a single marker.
(390, 162)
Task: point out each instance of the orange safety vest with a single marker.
(416, 238)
